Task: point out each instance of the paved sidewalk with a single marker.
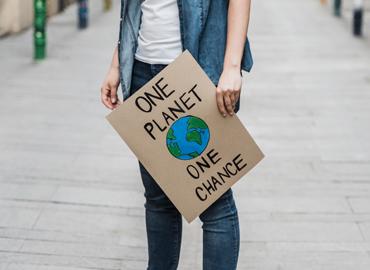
(70, 193)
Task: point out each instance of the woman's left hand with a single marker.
(228, 90)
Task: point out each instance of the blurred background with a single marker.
(71, 197)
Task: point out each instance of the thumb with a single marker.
(113, 93)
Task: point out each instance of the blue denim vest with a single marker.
(203, 28)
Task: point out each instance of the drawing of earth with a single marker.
(187, 137)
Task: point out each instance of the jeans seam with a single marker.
(177, 241)
(234, 232)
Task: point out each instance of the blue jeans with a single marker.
(164, 222)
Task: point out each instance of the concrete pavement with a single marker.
(70, 193)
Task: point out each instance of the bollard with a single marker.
(39, 34)
(107, 5)
(358, 11)
(337, 7)
(83, 14)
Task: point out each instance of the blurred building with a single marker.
(16, 15)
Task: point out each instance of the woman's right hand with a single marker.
(109, 89)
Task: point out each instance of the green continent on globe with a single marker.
(194, 136)
(195, 122)
(174, 149)
(194, 154)
(170, 134)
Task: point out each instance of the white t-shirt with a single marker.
(159, 40)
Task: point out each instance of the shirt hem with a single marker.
(153, 61)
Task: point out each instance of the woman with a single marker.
(152, 34)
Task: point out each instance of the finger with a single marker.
(105, 97)
(114, 97)
(227, 101)
(220, 101)
(232, 99)
(113, 94)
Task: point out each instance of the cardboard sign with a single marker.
(173, 126)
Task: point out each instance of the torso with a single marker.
(159, 39)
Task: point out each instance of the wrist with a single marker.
(232, 67)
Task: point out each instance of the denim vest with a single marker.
(203, 28)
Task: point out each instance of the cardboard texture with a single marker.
(173, 126)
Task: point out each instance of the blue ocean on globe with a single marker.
(187, 137)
